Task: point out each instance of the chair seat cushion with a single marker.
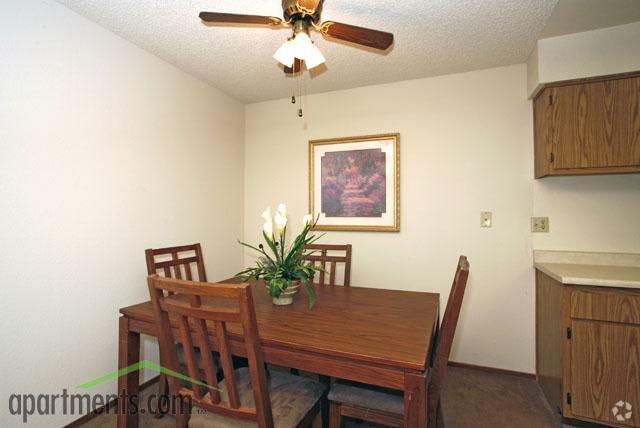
(367, 397)
(292, 397)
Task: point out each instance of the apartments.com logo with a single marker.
(25, 405)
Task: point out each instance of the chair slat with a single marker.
(323, 266)
(332, 274)
(187, 271)
(189, 354)
(172, 262)
(176, 267)
(227, 365)
(207, 359)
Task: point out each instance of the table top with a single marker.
(388, 327)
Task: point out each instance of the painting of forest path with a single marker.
(353, 183)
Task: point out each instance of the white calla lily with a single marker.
(306, 220)
(266, 215)
(267, 228)
(282, 209)
(280, 220)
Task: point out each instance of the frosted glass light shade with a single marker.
(285, 55)
(302, 45)
(314, 57)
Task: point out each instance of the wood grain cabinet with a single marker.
(588, 351)
(591, 126)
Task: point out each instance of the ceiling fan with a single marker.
(303, 16)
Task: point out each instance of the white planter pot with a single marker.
(286, 297)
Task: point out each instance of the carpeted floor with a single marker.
(471, 399)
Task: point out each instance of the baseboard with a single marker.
(492, 370)
(101, 410)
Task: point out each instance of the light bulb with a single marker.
(314, 57)
(285, 54)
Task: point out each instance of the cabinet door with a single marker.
(597, 125)
(605, 372)
(542, 133)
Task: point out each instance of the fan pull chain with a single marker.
(299, 78)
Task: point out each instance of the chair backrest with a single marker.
(195, 307)
(446, 333)
(321, 254)
(171, 260)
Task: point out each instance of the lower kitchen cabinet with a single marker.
(588, 351)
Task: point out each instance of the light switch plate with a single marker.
(540, 224)
(486, 219)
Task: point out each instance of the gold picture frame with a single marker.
(315, 145)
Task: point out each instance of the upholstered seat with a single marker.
(292, 397)
(367, 397)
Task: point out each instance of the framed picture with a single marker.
(354, 183)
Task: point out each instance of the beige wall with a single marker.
(591, 53)
(466, 147)
(590, 213)
(105, 150)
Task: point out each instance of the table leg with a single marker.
(129, 384)
(415, 400)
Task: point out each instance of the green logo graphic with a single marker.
(144, 364)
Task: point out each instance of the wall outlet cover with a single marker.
(486, 219)
(540, 224)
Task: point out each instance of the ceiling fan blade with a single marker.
(358, 35)
(309, 4)
(297, 66)
(232, 18)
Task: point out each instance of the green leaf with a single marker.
(271, 243)
(312, 295)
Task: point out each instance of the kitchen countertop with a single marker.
(596, 269)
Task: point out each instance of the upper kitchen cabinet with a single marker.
(590, 126)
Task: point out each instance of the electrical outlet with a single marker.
(540, 224)
(486, 219)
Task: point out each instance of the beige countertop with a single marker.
(597, 269)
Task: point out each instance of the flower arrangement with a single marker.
(282, 266)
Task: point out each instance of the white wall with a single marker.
(105, 150)
(589, 213)
(591, 53)
(466, 147)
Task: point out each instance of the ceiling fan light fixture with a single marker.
(285, 55)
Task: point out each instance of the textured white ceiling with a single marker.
(574, 16)
(432, 37)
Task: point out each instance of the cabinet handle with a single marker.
(552, 158)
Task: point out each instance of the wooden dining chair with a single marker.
(175, 262)
(324, 256)
(203, 314)
(172, 261)
(386, 407)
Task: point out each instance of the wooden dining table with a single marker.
(375, 336)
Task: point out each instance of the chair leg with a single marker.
(334, 415)
(163, 390)
(324, 404)
(183, 414)
(440, 420)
